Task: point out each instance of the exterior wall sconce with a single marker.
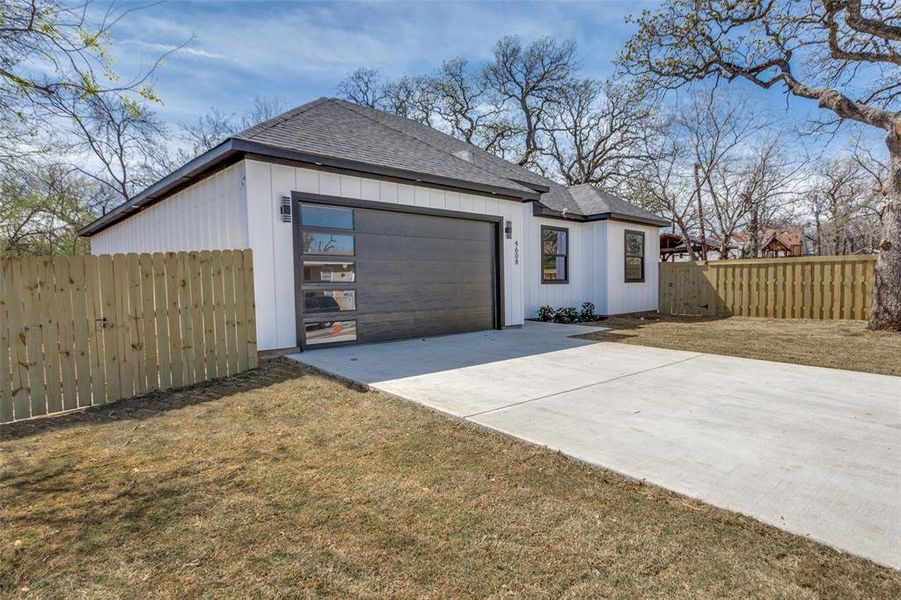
(284, 209)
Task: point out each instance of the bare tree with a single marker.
(410, 97)
(123, 143)
(844, 54)
(261, 109)
(529, 81)
(663, 185)
(364, 87)
(845, 207)
(210, 130)
(464, 106)
(595, 133)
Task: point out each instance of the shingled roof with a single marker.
(331, 127)
(337, 133)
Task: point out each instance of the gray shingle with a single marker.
(328, 128)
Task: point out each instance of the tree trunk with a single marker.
(701, 215)
(886, 311)
(819, 239)
(755, 234)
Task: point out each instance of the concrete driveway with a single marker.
(810, 450)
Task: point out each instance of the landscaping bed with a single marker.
(836, 344)
(284, 482)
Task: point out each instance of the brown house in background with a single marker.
(781, 244)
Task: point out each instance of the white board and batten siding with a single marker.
(596, 267)
(271, 240)
(208, 215)
(623, 297)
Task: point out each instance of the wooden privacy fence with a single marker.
(809, 287)
(86, 330)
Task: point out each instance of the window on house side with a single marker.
(634, 256)
(554, 255)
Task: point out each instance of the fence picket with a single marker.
(49, 311)
(34, 346)
(219, 312)
(95, 331)
(136, 325)
(209, 327)
(63, 276)
(151, 358)
(251, 308)
(186, 320)
(81, 340)
(196, 294)
(228, 276)
(176, 362)
(161, 312)
(109, 323)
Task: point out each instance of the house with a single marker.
(366, 226)
(776, 243)
(783, 243)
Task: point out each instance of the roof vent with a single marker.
(464, 154)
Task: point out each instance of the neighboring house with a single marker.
(782, 244)
(366, 226)
(775, 243)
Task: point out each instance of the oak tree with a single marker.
(842, 54)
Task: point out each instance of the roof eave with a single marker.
(177, 178)
(615, 216)
(540, 210)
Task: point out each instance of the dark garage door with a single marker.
(369, 275)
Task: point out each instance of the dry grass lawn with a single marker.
(283, 482)
(835, 344)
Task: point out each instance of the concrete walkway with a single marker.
(810, 450)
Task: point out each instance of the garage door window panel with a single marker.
(329, 332)
(327, 217)
(318, 271)
(325, 301)
(554, 255)
(328, 244)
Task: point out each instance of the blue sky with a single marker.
(298, 51)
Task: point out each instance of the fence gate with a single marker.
(810, 287)
(86, 330)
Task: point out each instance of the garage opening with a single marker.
(368, 272)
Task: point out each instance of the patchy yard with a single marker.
(285, 482)
(835, 344)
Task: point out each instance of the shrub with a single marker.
(567, 314)
(545, 313)
(587, 312)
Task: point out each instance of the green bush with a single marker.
(587, 312)
(545, 313)
(567, 314)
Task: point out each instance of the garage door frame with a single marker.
(298, 197)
